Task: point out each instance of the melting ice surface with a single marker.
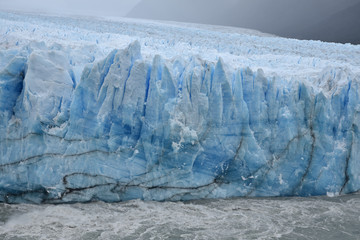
(115, 110)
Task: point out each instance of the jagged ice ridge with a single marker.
(157, 128)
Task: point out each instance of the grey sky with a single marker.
(79, 7)
(328, 20)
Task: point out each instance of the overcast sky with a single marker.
(79, 7)
(327, 20)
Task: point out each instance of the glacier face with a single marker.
(135, 125)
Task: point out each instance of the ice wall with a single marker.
(171, 130)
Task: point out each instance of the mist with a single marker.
(74, 7)
(327, 20)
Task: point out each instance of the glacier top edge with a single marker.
(95, 38)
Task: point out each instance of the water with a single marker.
(242, 218)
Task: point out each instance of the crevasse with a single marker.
(172, 130)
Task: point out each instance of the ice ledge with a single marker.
(172, 130)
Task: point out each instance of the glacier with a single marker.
(82, 119)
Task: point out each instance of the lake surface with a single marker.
(241, 218)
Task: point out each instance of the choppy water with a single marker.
(276, 218)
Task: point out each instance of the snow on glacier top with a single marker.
(287, 58)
